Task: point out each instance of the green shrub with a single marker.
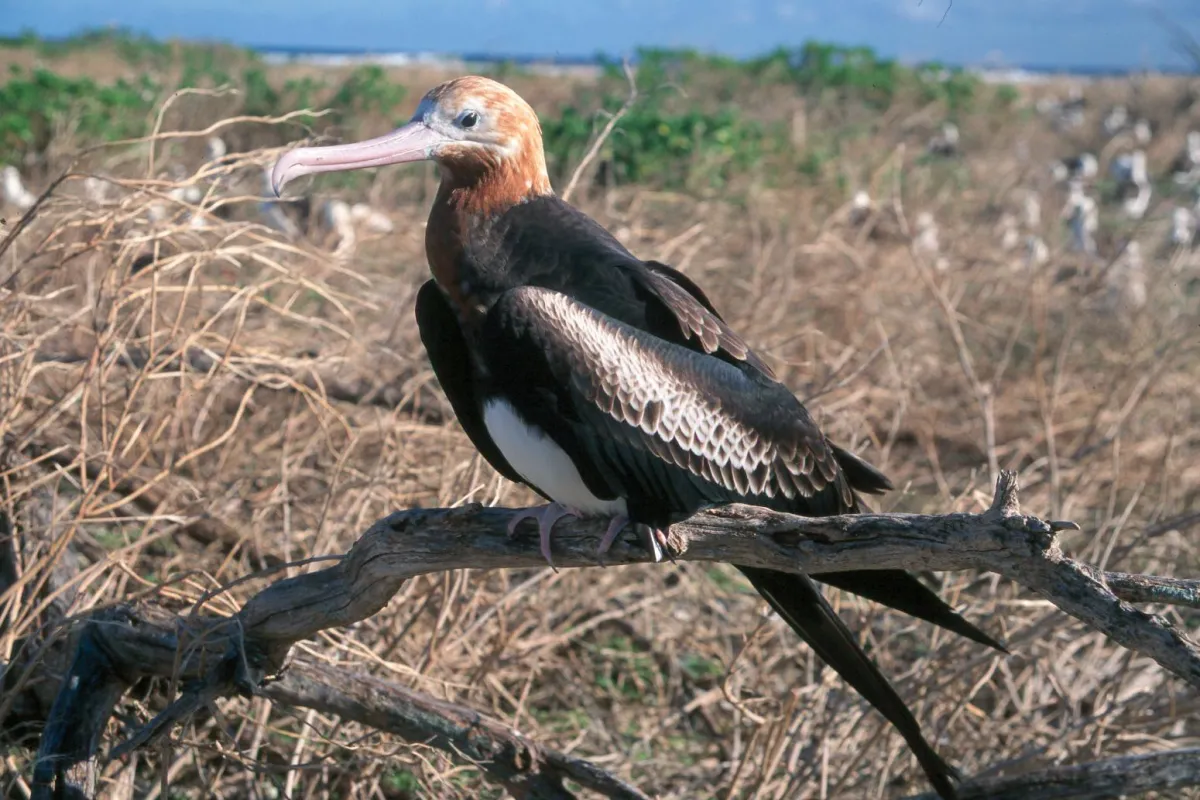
(366, 91)
(651, 146)
(31, 105)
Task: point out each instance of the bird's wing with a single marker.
(656, 420)
(451, 362)
(695, 314)
(654, 415)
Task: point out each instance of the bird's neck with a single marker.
(470, 198)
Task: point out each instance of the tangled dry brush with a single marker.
(183, 406)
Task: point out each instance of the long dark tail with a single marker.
(902, 591)
(894, 588)
(798, 600)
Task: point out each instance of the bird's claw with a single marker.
(546, 516)
(615, 527)
(654, 539)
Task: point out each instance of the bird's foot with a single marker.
(654, 539)
(546, 516)
(615, 527)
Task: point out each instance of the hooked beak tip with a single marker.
(279, 177)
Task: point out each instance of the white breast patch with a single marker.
(542, 462)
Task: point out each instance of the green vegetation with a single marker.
(699, 122)
(35, 106)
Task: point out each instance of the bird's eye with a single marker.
(468, 119)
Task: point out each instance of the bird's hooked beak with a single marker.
(415, 141)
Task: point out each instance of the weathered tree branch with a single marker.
(1095, 780)
(222, 656)
(525, 768)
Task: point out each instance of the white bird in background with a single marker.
(1036, 252)
(15, 193)
(860, 207)
(1142, 133)
(370, 219)
(215, 148)
(1010, 232)
(1129, 168)
(926, 240)
(1083, 218)
(1133, 182)
(946, 142)
(96, 191)
(1183, 227)
(1116, 120)
(1185, 169)
(1081, 167)
(1126, 279)
(337, 217)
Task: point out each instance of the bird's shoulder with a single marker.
(550, 243)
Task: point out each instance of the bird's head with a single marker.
(481, 133)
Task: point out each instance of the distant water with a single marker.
(333, 57)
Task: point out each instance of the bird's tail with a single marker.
(902, 591)
(798, 600)
(894, 588)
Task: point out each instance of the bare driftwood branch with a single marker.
(525, 768)
(216, 656)
(1095, 780)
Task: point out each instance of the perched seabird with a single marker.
(611, 385)
(14, 192)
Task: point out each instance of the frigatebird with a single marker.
(611, 385)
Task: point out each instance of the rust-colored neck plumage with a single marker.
(477, 184)
(483, 181)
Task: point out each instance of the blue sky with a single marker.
(1107, 33)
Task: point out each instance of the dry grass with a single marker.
(222, 451)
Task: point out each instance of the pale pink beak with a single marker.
(416, 141)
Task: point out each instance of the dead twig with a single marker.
(605, 132)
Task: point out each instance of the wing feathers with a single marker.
(706, 417)
(697, 318)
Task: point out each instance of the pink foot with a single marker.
(610, 535)
(546, 516)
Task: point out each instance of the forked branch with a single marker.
(220, 656)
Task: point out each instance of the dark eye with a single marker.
(468, 119)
